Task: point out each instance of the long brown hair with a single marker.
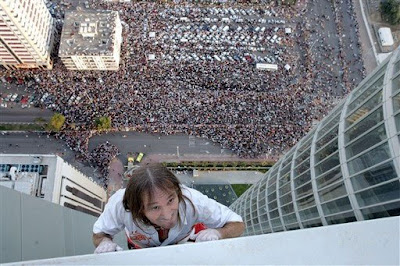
(144, 181)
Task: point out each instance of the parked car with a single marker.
(14, 97)
(19, 98)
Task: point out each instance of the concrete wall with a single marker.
(374, 242)
(32, 228)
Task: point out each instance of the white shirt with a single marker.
(207, 211)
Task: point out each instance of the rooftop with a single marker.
(88, 33)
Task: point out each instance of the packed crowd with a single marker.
(225, 99)
(101, 156)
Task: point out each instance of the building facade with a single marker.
(51, 178)
(26, 34)
(346, 169)
(91, 40)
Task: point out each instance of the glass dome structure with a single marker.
(346, 169)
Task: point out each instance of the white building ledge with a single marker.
(374, 242)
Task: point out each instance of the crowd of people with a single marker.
(226, 98)
(101, 156)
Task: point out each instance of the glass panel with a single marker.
(264, 218)
(312, 223)
(292, 227)
(365, 108)
(303, 167)
(272, 205)
(330, 163)
(371, 158)
(284, 179)
(278, 229)
(336, 206)
(341, 218)
(286, 199)
(329, 178)
(396, 82)
(368, 122)
(284, 189)
(332, 192)
(326, 151)
(397, 120)
(396, 102)
(273, 214)
(272, 181)
(390, 209)
(309, 213)
(265, 228)
(271, 197)
(327, 127)
(302, 157)
(304, 190)
(367, 141)
(287, 209)
(370, 89)
(396, 68)
(379, 194)
(302, 179)
(276, 222)
(374, 176)
(305, 145)
(306, 202)
(286, 163)
(328, 137)
(289, 219)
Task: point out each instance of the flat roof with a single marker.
(89, 32)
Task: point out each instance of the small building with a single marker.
(91, 40)
(385, 37)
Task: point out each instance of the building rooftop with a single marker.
(88, 33)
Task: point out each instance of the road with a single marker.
(27, 115)
(173, 145)
(164, 146)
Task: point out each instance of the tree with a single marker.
(103, 123)
(56, 122)
(390, 11)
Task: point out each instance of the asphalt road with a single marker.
(41, 143)
(177, 145)
(27, 115)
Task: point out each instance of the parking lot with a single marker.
(19, 103)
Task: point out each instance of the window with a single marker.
(312, 223)
(336, 206)
(341, 218)
(383, 193)
(304, 190)
(327, 164)
(365, 124)
(371, 158)
(329, 177)
(332, 192)
(365, 108)
(309, 213)
(374, 137)
(379, 174)
(306, 202)
(386, 210)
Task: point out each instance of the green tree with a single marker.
(390, 11)
(56, 122)
(103, 123)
